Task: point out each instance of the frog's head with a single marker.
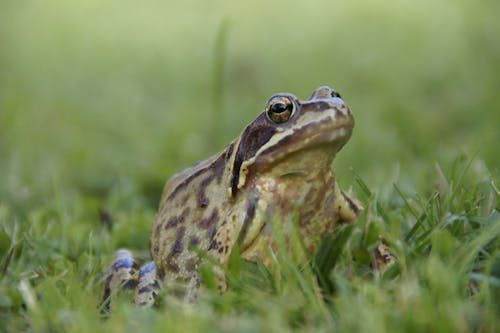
(288, 128)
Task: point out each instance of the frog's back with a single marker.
(188, 217)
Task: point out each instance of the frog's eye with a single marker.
(279, 109)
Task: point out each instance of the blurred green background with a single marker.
(93, 93)
(102, 101)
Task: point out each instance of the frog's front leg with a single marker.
(347, 207)
(147, 287)
(124, 274)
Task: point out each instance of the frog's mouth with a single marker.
(325, 133)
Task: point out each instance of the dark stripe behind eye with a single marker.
(253, 137)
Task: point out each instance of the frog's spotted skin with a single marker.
(147, 287)
(383, 258)
(277, 170)
(123, 272)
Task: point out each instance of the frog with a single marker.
(275, 178)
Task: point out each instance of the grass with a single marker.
(101, 103)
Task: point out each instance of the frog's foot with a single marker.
(148, 287)
(383, 258)
(122, 274)
(349, 207)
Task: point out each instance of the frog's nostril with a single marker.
(334, 93)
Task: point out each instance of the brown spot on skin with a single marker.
(191, 264)
(171, 265)
(185, 200)
(204, 203)
(160, 273)
(156, 249)
(211, 236)
(194, 241)
(173, 221)
(202, 198)
(211, 220)
(248, 219)
(176, 220)
(212, 246)
(178, 246)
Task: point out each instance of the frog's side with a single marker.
(276, 172)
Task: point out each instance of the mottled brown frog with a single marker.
(277, 172)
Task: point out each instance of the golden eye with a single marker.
(279, 109)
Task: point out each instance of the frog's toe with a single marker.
(349, 207)
(122, 274)
(148, 287)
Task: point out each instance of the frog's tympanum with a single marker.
(275, 177)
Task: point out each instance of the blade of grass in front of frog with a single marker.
(468, 253)
(207, 267)
(427, 222)
(420, 219)
(365, 191)
(405, 200)
(459, 169)
(330, 250)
